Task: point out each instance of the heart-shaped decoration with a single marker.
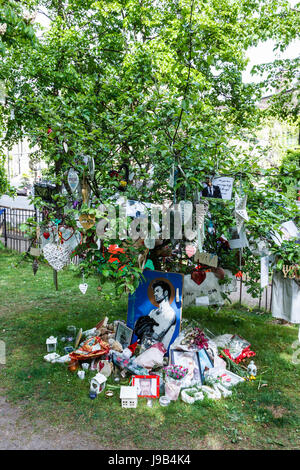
(87, 220)
(83, 287)
(198, 277)
(57, 256)
(190, 250)
(46, 235)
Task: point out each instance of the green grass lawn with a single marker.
(252, 418)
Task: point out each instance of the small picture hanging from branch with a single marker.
(218, 188)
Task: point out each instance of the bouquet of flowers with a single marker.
(175, 372)
(195, 339)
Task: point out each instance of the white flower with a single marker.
(3, 28)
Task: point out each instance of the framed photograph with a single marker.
(218, 188)
(154, 309)
(147, 385)
(190, 361)
(204, 361)
(124, 335)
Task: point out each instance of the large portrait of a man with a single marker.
(154, 310)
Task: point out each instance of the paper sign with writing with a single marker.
(207, 258)
(225, 184)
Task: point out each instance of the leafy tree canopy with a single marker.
(153, 85)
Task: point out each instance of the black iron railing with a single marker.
(11, 234)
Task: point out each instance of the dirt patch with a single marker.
(277, 411)
(17, 433)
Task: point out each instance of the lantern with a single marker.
(98, 383)
(51, 343)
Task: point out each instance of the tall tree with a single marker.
(152, 85)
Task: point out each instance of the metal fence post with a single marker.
(5, 231)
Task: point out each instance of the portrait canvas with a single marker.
(154, 309)
(124, 335)
(204, 361)
(147, 385)
(189, 360)
(218, 188)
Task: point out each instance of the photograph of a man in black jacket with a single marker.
(211, 190)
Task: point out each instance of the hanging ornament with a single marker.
(198, 276)
(90, 163)
(211, 228)
(83, 286)
(201, 210)
(149, 265)
(69, 237)
(149, 243)
(85, 191)
(57, 256)
(200, 239)
(87, 221)
(46, 235)
(65, 146)
(49, 132)
(190, 250)
(73, 179)
(240, 211)
(35, 266)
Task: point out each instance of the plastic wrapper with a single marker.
(90, 349)
(152, 357)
